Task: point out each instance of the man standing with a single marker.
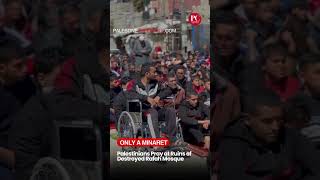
(12, 69)
(142, 50)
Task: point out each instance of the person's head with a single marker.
(196, 81)
(47, 67)
(157, 64)
(113, 63)
(192, 98)
(189, 61)
(12, 65)
(125, 81)
(70, 19)
(250, 7)
(159, 76)
(203, 65)
(265, 13)
(132, 68)
(125, 57)
(310, 73)
(148, 71)
(274, 57)
(155, 55)
(179, 56)
(299, 9)
(172, 80)
(180, 72)
(114, 81)
(141, 38)
(207, 84)
(193, 65)
(13, 9)
(227, 34)
(125, 61)
(265, 117)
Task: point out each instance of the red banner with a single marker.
(143, 142)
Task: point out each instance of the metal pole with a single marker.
(182, 19)
(172, 35)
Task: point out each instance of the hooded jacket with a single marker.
(190, 115)
(240, 155)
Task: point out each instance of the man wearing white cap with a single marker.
(141, 50)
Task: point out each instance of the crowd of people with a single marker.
(46, 47)
(265, 97)
(170, 85)
(260, 119)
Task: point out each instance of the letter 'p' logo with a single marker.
(194, 19)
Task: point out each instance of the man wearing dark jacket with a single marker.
(229, 57)
(310, 68)
(120, 100)
(259, 147)
(72, 36)
(181, 76)
(148, 91)
(174, 97)
(309, 96)
(195, 120)
(174, 90)
(205, 95)
(272, 75)
(32, 134)
(12, 69)
(115, 87)
(225, 106)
